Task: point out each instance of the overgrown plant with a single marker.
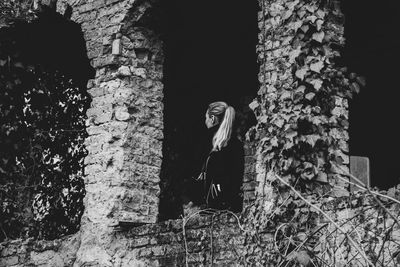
(302, 107)
(357, 230)
(42, 132)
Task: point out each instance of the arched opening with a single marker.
(210, 49)
(43, 101)
(372, 51)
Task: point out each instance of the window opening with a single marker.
(43, 101)
(372, 51)
(210, 50)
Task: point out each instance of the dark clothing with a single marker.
(223, 175)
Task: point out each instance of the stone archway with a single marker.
(210, 56)
(124, 121)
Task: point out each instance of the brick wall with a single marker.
(125, 134)
(61, 252)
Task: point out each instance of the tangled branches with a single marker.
(361, 229)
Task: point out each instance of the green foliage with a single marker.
(42, 132)
(303, 116)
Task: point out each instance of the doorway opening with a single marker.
(44, 70)
(210, 55)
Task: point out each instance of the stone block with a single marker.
(103, 117)
(124, 71)
(8, 261)
(116, 47)
(47, 258)
(249, 186)
(8, 251)
(360, 168)
(140, 72)
(121, 113)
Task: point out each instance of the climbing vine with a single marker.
(302, 107)
(302, 112)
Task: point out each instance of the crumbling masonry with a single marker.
(125, 127)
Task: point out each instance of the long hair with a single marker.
(226, 116)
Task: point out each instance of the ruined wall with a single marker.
(125, 119)
(302, 103)
(61, 252)
(125, 128)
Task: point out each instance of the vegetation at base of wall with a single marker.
(42, 132)
(302, 113)
(303, 120)
(356, 230)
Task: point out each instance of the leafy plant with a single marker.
(303, 115)
(42, 132)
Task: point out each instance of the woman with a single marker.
(222, 171)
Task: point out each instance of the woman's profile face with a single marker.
(209, 121)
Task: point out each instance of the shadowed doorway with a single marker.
(372, 50)
(210, 51)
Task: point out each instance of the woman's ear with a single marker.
(214, 120)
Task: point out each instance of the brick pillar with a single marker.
(280, 23)
(125, 124)
(125, 121)
(249, 177)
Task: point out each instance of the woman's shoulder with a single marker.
(235, 142)
(234, 147)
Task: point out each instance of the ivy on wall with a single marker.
(302, 112)
(302, 105)
(42, 132)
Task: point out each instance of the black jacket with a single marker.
(223, 175)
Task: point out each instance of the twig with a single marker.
(329, 218)
(208, 212)
(4, 233)
(366, 187)
(383, 244)
(211, 240)
(311, 235)
(185, 241)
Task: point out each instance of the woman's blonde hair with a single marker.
(226, 116)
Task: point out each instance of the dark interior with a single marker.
(372, 50)
(46, 62)
(210, 49)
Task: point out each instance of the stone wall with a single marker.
(125, 118)
(199, 241)
(61, 252)
(222, 239)
(124, 144)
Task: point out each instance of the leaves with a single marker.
(305, 115)
(253, 105)
(294, 54)
(318, 36)
(317, 66)
(42, 139)
(317, 83)
(310, 96)
(301, 73)
(355, 87)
